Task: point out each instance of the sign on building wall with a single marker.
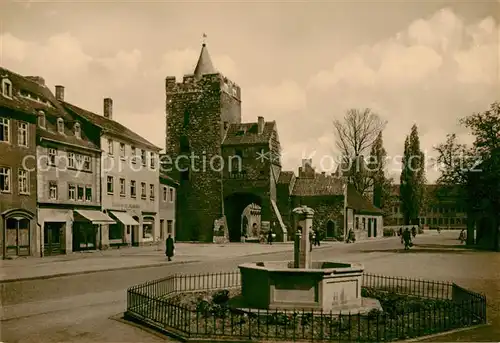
(265, 226)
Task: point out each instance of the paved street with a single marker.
(77, 308)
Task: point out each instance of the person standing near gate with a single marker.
(169, 247)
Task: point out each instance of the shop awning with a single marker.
(55, 216)
(95, 217)
(124, 218)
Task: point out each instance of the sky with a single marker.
(302, 64)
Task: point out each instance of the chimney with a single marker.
(60, 93)
(261, 125)
(37, 79)
(108, 108)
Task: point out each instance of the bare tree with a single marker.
(355, 135)
(357, 132)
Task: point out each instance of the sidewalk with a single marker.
(31, 268)
(25, 268)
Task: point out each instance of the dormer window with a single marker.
(78, 131)
(60, 125)
(7, 88)
(41, 119)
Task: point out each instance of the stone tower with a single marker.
(198, 112)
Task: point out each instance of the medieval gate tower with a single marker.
(198, 110)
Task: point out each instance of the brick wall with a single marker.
(325, 208)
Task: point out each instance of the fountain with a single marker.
(303, 283)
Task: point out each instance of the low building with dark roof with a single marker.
(331, 202)
(130, 175)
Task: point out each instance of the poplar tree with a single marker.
(377, 164)
(412, 180)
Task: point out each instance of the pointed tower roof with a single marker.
(204, 65)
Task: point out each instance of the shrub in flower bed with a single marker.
(210, 314)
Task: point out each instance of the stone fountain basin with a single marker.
(326, 286)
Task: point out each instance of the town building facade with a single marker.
(238, 166)
(129, 179)
(167, 205)
(69, 202)
(20, 235)
(442, 209)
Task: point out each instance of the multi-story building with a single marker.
(442, 209)
(18, 223)
(129, 179)
(69, 202)
(168, 191)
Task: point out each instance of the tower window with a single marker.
(186, 118)
(184, 144)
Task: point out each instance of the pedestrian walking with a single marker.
(316, 237)
(407, 239)
(169, 247)
(270, 237)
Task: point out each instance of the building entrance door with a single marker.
(17, 236)
(52, 234)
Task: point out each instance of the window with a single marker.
(132, 189)
(110, 147)
(41, 120)
(122, 151)
(357, 223)
(169, 227)
(185, 175)
(171, 195)
(152, 161)
(52, 156)
(134, 154)
(7, 88)
(186, 118)
(80, 193)
(23, 180)
(4, 130)
(22, 134)
(53, 191)
(122, 187)
(110, 184)
(143, 190)
(143, 157)
(147, 230)
(151, 192)
(71, 192)
(5, 179)
(71, 160)
(88, 193)
(165, 194)
(60, 125)
(79, 161)
(87, 163)
(78, 131)
(364, 223)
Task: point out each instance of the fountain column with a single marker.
(304, 216)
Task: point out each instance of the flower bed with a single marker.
(411, 308)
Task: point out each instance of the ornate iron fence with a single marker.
(451, 307)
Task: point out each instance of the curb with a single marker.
(52, 276)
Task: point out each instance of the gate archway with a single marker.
(234, 205)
